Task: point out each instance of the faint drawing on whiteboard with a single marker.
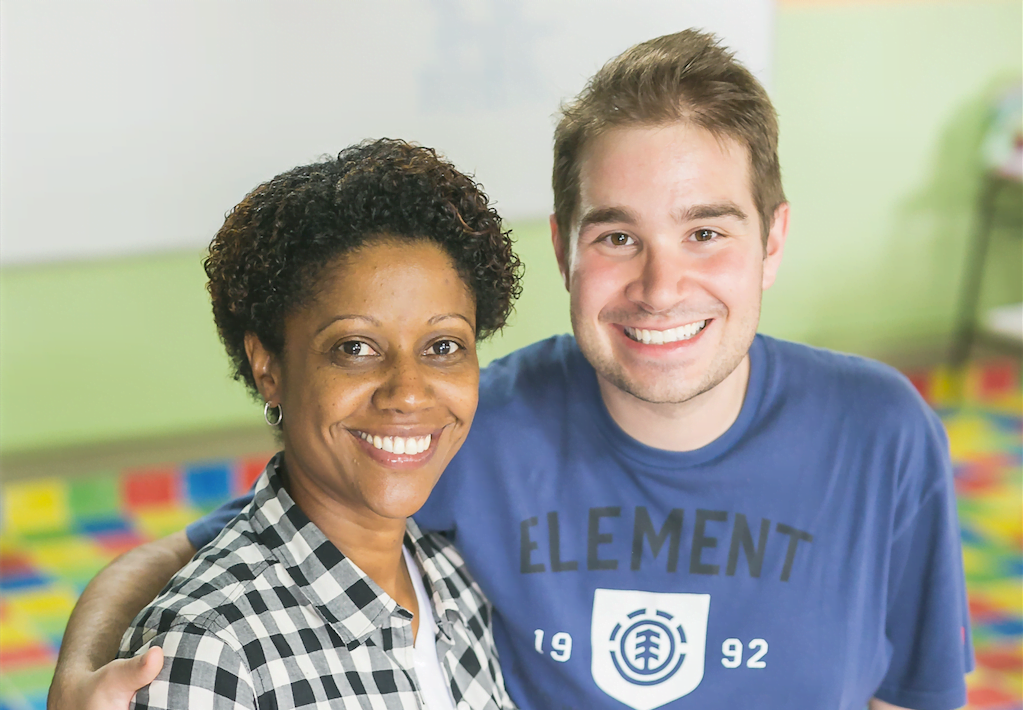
(159, 114)
(485, 54)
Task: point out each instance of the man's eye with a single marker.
(444, 347)
(705, 235)
(619, 239)
(357, 348)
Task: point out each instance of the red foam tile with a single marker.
(966, 487)
(922, 382)
(984, 697)
(247, 471)
(116, 543)
(981, 611)
(1000, 659)
(150, 488)
(998, 378)
(14, 565)
(33, 655)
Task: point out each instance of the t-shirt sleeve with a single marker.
(927, 628)
(202, 531)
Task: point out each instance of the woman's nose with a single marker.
(406, 386)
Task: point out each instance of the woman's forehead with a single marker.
(391, 278)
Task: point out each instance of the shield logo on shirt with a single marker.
(648, 648)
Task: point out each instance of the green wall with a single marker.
(882, 108)
(107, 351)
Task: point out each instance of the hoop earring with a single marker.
(276, 422)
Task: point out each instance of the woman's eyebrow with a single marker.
(347, 316)
(443, 316)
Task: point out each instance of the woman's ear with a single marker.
(265, 369)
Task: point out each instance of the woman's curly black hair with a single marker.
(266, 259)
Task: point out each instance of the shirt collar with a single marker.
(445, 582)
(342, 593)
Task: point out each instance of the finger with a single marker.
(127, 676)
(152, 662)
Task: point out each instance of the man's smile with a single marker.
(664, 337)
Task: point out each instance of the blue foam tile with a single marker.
(20, 582)
(98, 527)
(1008, 627)
(208, 483)
(970, 537)
(1005, 422)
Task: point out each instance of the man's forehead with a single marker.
(710, 174)
(621, 136)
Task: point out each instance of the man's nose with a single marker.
(406, 386)
(658, 286)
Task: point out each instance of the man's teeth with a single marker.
(660, 337)
(408, 445)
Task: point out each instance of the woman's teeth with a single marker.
(408, 445)
(660, 337)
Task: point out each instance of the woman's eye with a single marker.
(357, 348)
(620, 239)
(444, 347)
(705, 235)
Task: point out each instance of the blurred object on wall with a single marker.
(998, 205)
(1003, 145)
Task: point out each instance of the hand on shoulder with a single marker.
(110, 687)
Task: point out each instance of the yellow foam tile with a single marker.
(1005, 594)
(158, 522)
(1005, 532)
(944, 385)
(66, 554)
(36, 506)
(56, 601)
(991, 679)
(968, 434)
(976, 562)
(16, 632)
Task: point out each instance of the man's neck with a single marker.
(685, 426)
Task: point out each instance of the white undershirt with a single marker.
(432, 682)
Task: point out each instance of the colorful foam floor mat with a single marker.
(56, 533)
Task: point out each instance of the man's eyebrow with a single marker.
(606, 215)
(711, 211)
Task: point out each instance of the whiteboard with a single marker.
(131, 126)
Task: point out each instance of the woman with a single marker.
(350, 295)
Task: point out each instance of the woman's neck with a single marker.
(373, 543)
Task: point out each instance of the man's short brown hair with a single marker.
(687, 77)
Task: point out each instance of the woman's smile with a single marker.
(398, 451)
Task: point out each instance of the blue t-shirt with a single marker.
(807, 558)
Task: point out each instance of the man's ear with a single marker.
(560, 250)
(265, 369)
(775, 246)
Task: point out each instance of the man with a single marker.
(670, 510)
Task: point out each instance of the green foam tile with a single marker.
(28, 680)
(95, 496)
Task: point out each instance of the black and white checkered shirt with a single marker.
(272, 615)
